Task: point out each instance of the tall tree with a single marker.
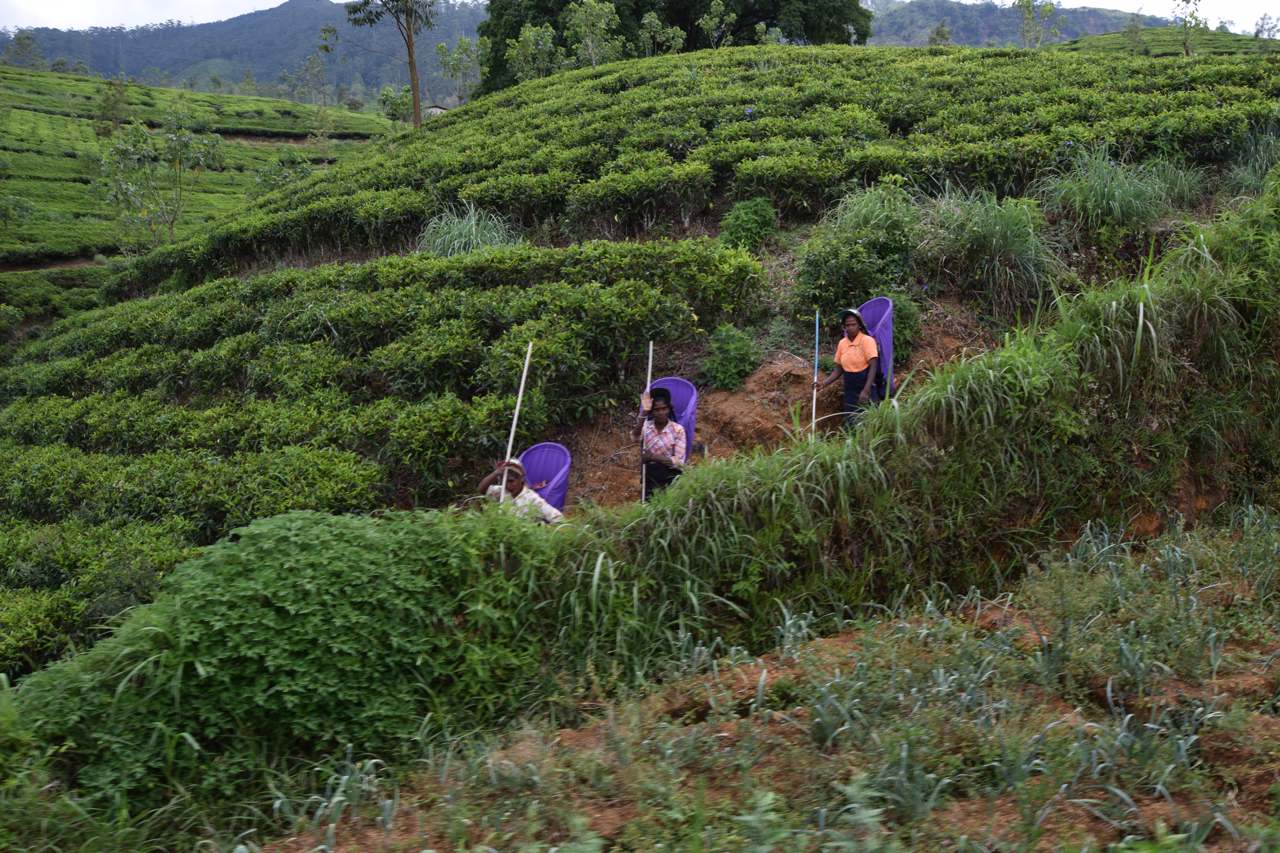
(23, 52)
(798, 21)
(1190, 23)
(534, 54)
(461, 64)
(940, 36)
(591, 27)
(410, 17)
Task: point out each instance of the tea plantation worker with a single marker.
(857, 360)
(662, 441)
(523, 499)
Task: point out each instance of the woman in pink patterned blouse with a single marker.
(662, 441)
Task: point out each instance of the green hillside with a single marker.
(50, 150)
(985, 24)
(1167, 41)
(612, 150)
(224, 491)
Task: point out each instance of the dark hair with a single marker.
(661, 394)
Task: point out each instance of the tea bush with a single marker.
(748, 224)
(861, 249)
(734, 355)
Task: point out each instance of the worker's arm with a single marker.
(491, 478)
(872, 367)
(835, 374)
(646, 403)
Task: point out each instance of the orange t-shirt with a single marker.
(855, 355)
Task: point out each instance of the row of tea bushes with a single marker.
(626, 146)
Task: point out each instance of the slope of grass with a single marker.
(49, 145)
(629, 147)
(1122, 690)
(479, 617)
(1167, 41)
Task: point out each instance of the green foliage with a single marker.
(1258, 155)
(734, 355)
(49, 127)
(23, 52)
(1105, 200)
(458, 231)
(1184, 185)
(396, 106)
(590, 28)
(461, 64)
(534, 53)
(289, 167)
(989, 248)
(749, 224)
(998, 454)
(862, 249)
(346, 387)
(650, 144)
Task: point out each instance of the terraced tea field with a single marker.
(50, 150)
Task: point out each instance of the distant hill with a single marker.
(267, 44)
(1167, 41)
(983, 24)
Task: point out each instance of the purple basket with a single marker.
(548, 461)
(877, 313)
(684, 404)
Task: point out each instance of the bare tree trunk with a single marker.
(413, 77)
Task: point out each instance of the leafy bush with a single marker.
(1105, 201)
(460, 230)
(10, 317)
(906, 324)
(748, 224)
(862, 249)
(995, 250)
(734, 355)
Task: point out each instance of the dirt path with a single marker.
(65, 264)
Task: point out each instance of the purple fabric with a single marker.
(684, 403)
(550, 462)
(878, 315)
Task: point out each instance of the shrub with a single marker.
(734, 355)
(457, 231)
(748, 224)
(992, 249)
(862, 249)
(1104, 200)
(906, 325)
(10, 317)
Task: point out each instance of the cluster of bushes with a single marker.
(27, 297)
(475, 618)
(620, 147)
(346, 387)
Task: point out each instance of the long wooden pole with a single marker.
(813, 422)
(515, 419)
(648, 380)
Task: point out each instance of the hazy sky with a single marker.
(77, 14)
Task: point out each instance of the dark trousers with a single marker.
(853, 385)
(658, 476)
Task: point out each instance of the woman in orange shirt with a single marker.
(857, 360)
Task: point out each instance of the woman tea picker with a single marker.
(524, 500)
(662, 441)
(858, 361)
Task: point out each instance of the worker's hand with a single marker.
(864, 396)
(541, 484)
(646, 401)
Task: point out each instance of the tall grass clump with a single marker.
(990, 248)
(458, 230)
(1258, 155)
(1104, 200)
(1184, 184)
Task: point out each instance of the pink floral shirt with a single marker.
(666, 443)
